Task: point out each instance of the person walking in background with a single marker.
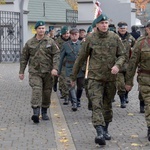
(128, 41)
(65, 36)
(141, 58)
(107, 55)
(41, 54)
(69, 52)
(82, 34)
(135, 32)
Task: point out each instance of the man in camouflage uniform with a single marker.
(69, 52)
(65, 36)
(128, 41)
(42, 56)
(106, 58)
(141, 58)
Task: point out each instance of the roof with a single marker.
(55, 10)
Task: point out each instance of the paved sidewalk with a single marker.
(66, 130)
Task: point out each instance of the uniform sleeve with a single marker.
(62, 56)
(82, 57)
(56, 55)
(24, 59)
(133, 63)
(120, 53)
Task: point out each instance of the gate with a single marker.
(10, 36)
(71, 17)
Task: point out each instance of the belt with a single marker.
(70, 62)
(144, 71)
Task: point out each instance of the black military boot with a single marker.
(126, 97)
(123, 101)
(55, 87)
(66, 101)
(36, 114)
(100, 139)
(79, 93)
(148, 133)
(89, 105)
(44, 114)
(55, 84)
(142, 107)
(107, 136)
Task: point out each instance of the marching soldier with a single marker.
(141, 58)
(65, 36)
(107, 54)
(42, 56)
(128, 41)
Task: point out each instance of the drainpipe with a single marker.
(21, 23)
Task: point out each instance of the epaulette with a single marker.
(141, 38)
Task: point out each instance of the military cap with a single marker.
(122, 25)
(112, 27)
(74, 30)
(51, 28)
(148, 24)
(82, 30)
(39, 23)
(94, 23)
(46, 32)
(64, 29)
(100, 18)
(89, 29)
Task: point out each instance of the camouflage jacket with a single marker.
(105, 50)
(128, 41)
(59, 41)
(41, 56)
(140, 58)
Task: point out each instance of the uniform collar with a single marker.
(74, 43)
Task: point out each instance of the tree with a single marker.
(73, 4)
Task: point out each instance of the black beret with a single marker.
(122, 25)
(39, 23)
(102, 17)
(74, 30)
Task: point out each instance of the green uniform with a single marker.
(62, 81)
(105, 50)
(128, 41)
(41, 56)
(141, 58)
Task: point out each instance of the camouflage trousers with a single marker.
(144, 89)
(101, 95)
(62, 84)
(41, 85)
(120, 83)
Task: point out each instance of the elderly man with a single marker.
(106, 58)
(128, 41)
(69, 52)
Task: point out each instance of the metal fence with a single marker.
(10, 36)
(71, 17)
